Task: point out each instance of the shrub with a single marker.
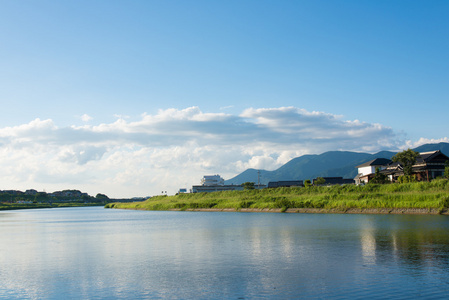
(407, 178)
(445, 202)
(245, 204)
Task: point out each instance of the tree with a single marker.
(407, 159)
(248, 186)
(101, 197)
(379, 177)
(307, 183)
(319, 181)
(41, 197)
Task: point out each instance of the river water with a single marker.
(96, 253)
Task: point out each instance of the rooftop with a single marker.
(376, 162)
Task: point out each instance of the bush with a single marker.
(445, 202)
(407, 178)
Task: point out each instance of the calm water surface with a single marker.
(96, 253)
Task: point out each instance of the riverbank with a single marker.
(420, 197)
(384, 211)
(16, 206)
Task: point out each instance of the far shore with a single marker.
(380, 211)
(14, 206)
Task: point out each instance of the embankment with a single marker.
(410, 198)
(383, 211)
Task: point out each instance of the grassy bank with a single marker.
(12, 206)
(420, 195)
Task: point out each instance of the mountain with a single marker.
(329, 164)
(443, 147)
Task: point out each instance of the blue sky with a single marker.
(134, 97)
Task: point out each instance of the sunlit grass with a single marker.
(427, 195)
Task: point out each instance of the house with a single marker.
(367, 170)
(428, 166)
(285, 183)
(215, 183)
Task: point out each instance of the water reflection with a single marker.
(417, 242)
(368, 242)
(95, 253)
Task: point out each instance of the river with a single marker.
(96, 253)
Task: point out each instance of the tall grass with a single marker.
(428, 195)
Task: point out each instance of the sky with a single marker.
(136, 98)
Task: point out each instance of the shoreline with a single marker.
(42, 206)
(366, 211)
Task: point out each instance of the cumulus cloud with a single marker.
(86, 118)
(174, 148)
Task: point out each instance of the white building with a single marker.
(367, 170)
(214, 183)
(212, 180)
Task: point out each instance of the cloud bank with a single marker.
(173, 148)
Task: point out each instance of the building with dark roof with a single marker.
(428, 166)
(367, 170)
(285, 183)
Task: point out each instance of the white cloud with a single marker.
(86, 118)
(173, 148)
(422, 141)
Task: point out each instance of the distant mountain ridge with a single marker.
(328, 164)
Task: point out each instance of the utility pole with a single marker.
(258, 179)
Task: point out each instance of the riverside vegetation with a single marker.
(12, 199)
(12, 206)
(422, 196)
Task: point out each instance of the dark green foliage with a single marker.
(379, 178)
(406, 178)
(407, 158)
(445, 202)
(246, 204)
(201, 205)
(320, 181)
(101, 197)
(248, 186)
(11, 206)
(283, 202)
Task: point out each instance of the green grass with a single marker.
(427, 195)
(11, 206)
(8, 206)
